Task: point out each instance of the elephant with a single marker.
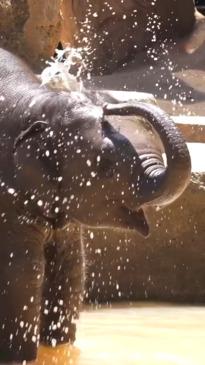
(63, 165)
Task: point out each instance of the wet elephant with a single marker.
(63, 165)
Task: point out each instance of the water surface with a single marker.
(142, 335)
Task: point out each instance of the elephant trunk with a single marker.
(160, 184)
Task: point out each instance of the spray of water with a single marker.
(64, 70)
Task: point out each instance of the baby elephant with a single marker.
(63, 165)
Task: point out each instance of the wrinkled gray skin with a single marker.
(62, 162)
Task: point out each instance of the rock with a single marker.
(42, 29)
(13, 15)
(168, 266)
(112, 32)
(33, 29)
(119, 96)
(192, 128)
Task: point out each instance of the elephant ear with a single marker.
(33, 129)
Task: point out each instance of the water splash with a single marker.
(64, 71)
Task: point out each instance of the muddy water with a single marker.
(142, 335)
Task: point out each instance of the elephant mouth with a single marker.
(136, 220)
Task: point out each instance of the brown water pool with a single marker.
(142, 334)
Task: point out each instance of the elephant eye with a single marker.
(107, 128)
(106, 168)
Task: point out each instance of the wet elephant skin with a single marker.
(63, 165)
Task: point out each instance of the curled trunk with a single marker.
(161, 184)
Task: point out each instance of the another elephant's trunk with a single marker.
(161, 185)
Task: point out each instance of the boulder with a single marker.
(33, 29)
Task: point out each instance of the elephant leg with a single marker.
(62, 293)
(21, 278)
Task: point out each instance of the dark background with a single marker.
(200, 2)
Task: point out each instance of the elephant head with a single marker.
(160, 185)
(121, 181)
(98, 176)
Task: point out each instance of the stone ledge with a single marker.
(193, 127)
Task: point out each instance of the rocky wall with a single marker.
(33, 28)
(114, 32)
(111, 30)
